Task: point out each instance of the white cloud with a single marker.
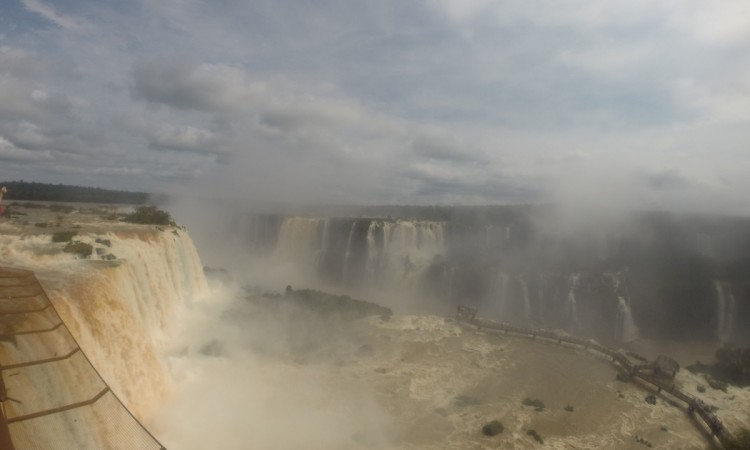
(9, 152)
(186, 138)
(386, 101)
(66, 22)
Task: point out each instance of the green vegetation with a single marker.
(105, 242)
(341, 306)
(733, 365)
(150, 215)
(63, 236)
(21, 190)
(493, 428)
(79, 248)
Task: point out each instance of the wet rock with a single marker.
(715, 384)
(493, 428)
(536, 436)
(535, 402)
(700, 388)
(622, 377)
(698, 367)
(643, 441)
(651, 399)
(466, 400)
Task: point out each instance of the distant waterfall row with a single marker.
(348, 251)
(610, 285)
(547, 300)
(726, 305)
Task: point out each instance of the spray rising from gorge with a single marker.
(659, 276)
(235, 359)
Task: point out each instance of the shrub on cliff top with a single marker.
(150, 215)
(79, 248)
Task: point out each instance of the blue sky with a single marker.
(641, 103)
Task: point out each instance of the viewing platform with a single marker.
(639, 372)
(51, 396)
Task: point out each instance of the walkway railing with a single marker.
(51, 396)
(620, 360)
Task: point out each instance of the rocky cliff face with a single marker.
(118, 302)
(650, 274)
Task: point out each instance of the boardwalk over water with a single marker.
(51, 396)
(692, 405)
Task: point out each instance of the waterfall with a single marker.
(325, 235)
(525, 297)
(725, 308)
(504, 278)
(120, 311)
(373, 253)
(625, 329)
(571, 308)
(345, 275)
(299, 239)
(359, 251)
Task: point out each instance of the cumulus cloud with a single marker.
(9, 152)
(186, 138)
(439, 101)
(64, 21)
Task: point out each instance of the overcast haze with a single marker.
(639, 103)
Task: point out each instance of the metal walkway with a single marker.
(693, 405)
(51, 396)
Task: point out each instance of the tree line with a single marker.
(22, 190)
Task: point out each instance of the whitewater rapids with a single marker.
(205, 368)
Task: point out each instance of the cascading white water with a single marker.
(119, 311)
(298, 240)
(725, 308)
(525, 298)
(571, 308)
(407, 247)
(373, 253)
(504, 282)
(626, 329)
